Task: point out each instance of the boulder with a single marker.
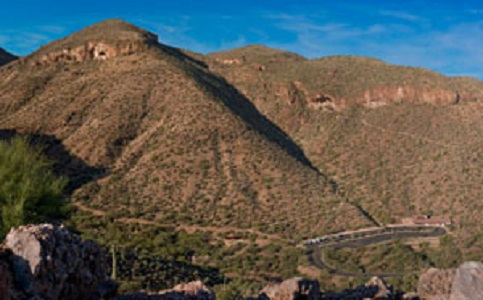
(375, 288)
(49, 262)
(383, 291)
(194, 290)
(468, 282)
(435, 284)
(292, 289)
(6, 277)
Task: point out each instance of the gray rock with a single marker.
(6, 277)
(49, 262)
(292, 289)
(382, 288)
(194, 290)
(468, 282)
(435, 284)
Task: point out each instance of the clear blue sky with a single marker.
(446, 36)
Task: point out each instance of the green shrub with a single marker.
(29, 191)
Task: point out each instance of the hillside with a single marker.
(400, 141)
(6, 57)
(169, 144)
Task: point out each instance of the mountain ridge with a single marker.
(251, 151)
(6, 57)
(400, 141)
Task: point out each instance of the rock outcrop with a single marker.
(292, 289)
(463, 283)
(92, 50)
(192, 289)
(101, 41)
(195, 290)
(383, 290)
(381, 96)
(6, 278)
(376, 288)
(468, 282)
(435, 284)
(48, 262)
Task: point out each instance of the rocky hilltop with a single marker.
(6, 57)
(102, 41)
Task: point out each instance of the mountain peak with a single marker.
(113, 30)
(256, 54)
(101, 41)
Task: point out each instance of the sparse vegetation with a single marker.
(199, 182)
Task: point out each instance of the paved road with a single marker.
(314, 251)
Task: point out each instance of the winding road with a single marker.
(364, 238)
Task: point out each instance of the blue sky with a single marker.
(445, 36)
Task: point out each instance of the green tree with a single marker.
(29, 191)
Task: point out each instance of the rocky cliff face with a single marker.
(92, 50)
(381, 96)
(102, 41)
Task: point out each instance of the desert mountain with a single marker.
(6, 57)
(177, 143)
(401, 141)
(338, 82)
(235, 147)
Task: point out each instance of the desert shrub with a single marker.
(29, 191)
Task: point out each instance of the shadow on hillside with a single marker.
(238, 103)
(156, 272)
(65, 164)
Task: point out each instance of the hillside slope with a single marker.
(400, 141)
(180, 145)
(6, 57)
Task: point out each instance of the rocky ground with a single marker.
(48, 262)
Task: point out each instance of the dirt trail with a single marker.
(187, 228)
(95, 212)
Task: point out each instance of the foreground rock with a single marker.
(291, 289)
(195, 290)
(376, 288)
(468, 282)
(435, 284)
(44, 262)
(48, 262)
